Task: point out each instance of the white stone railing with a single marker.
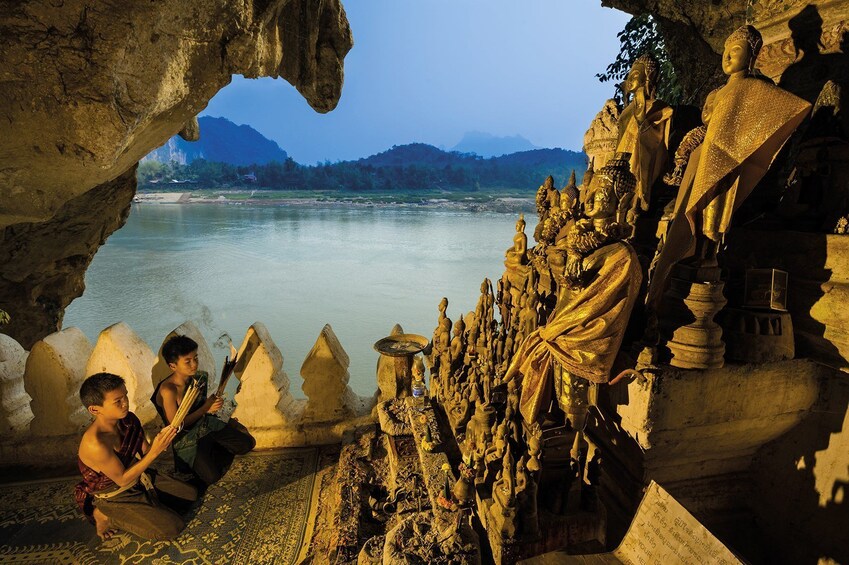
(42, 418)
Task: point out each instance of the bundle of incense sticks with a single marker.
(188, 400)
(227, 370)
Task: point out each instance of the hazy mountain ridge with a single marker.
(488, 145)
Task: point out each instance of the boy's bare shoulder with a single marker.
(167, 389)
(93, 444)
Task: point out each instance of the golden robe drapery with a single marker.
(585, 330)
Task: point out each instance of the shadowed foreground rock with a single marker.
(42, 265)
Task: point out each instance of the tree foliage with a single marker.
(642, 35)
(408, 167)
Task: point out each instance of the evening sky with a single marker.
(430, 70)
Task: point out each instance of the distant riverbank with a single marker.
(502, 201)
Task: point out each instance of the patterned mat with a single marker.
(258, 513)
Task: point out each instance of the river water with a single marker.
(361, 270)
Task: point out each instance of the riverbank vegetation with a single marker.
(414, 167)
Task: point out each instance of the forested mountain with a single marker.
(220, 141)
(416, 166)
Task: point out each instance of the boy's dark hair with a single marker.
(178, 346)
(94, 388)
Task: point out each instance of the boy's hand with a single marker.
(162, 440)
(215, 403)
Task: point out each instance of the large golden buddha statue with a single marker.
(748, 121)
(644, 127)
(598, 282)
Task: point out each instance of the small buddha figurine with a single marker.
(644, 127)
(544, 199)
(517, 255)
(570, 197)
(526, 497)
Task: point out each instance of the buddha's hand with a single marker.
(640, 105)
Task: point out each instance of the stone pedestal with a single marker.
(694, 297)
(695, 433)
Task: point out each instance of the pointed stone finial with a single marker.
(264, 404)
(325, 373)
(119, 350)
(54, 371)
(206, 360)
(572, 181)
(15, 411)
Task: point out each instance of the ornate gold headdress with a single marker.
(751, 36)
(652, 69)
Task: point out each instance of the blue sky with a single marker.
(430, 70)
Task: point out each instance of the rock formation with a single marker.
(694, 33)
(88, 90)
(103, 87)
(43, 264)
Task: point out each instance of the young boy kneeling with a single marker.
(205, 444)
(118, 491)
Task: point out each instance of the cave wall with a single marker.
(43, 264)
(90, 87)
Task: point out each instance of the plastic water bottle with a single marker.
(419, 394)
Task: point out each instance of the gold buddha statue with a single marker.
(598, 284)
(644, 127)
(517, 255)
(748, 121)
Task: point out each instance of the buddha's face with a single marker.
(520, 226)
(636, 79)
(601, 205)
(736, 57)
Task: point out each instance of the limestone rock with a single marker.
(119, 350)
(600, 138)
(15, 412)
(190, 131)
(55, 369)
(386, 372)
(42, 265)
(206, 361)
(325, 373)
(264, 403)
(89, 89)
